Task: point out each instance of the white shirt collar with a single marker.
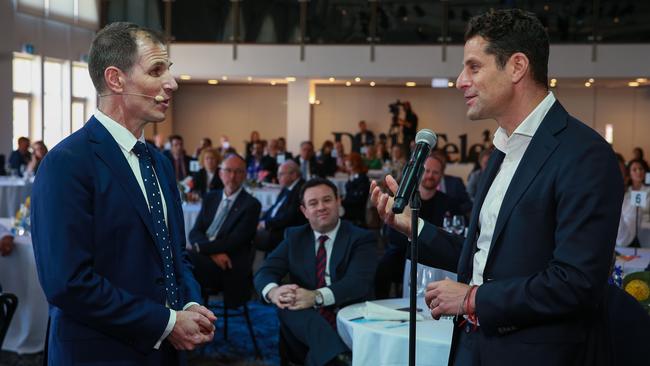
(293, 185)
(122, 136)
(233, 196)
(528, 126)
(330, 234)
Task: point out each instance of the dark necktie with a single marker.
(159, 225)
(321, 266)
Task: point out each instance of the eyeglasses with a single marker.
(233, 171)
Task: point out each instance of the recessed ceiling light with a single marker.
(357, 79)
(332, 80)
(450, 84)
(290, 79)
(591, 80)
(347, 83)
(185, 77)
(213, 82)
(587, 84)
(642, 80)
(633, 84)
(553, 81)
(224, 78)
(273, 83)
(410, 83)
(250, 78)
(372, 83)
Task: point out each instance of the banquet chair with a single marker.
(8, 304)
(235, 303)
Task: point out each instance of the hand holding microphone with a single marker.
(424, 140)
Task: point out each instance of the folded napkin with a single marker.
(374, 311)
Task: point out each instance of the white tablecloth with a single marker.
(13, 192)
(18, 276)
(266, 195)
(385, 343)
(339, 181)
(638, 264)
(190, 213)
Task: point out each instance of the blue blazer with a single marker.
(97, 260)
(552, 247)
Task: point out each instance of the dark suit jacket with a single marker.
(186, 162)
(552, 246)
(356, 199)
(267, 163)
(200, 178)
(315, 167)
(352, 262)
(16, 160)
(235, 237)
(287, 215)
(458, 193)
(97, 260)
(356, 141)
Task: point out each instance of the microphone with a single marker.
(424, 141)
(157, 98)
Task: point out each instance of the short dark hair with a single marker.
(116, 45)
(508, 31)
(317, 182)
(175, 137)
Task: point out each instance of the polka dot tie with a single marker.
(159, 225)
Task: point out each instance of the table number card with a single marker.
(639, 198)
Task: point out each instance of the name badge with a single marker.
(280, 158)
(194, 166)
(639, 198)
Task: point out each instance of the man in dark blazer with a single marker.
(330, 264)
(362, 138)
(209, 158)
(223, 234)
(285, 211)
(534, 266)
(309, 166)
(176, 154)
(107, 223)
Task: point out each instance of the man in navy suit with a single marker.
(176, 154)
(534, 266)
(363, 137)
(285, 211)
(223, 234)
(107, 222)
(330, 264)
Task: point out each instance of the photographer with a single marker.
(409, 124)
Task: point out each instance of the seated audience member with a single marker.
(260, 167)
(285, 210)
(339, 155)
(224, 145)
(40, 150)
(283, 154)
(475, 176)
(637, 154)
(6, 241)
(362, 138)
(435, 205)
(223, 234)
(370, 158)
(272, 151)
(629, 217)
(20, 158)
(255, 137)
(382, 150)
(176, 154)
(397, 161)
(330, 264)
(207, 178)
(326, 160)
(206, 143)
(309, 165)
(454, 187)
(357, 189)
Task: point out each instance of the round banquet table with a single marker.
(18, 276)
(266, 195)
(385, 343)
(13, 192)
(629, 262)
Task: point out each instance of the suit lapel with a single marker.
(306, 251)
(541, 147)
(110, 153)
(234, 211)
(339, 248)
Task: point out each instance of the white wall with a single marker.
(211, 111)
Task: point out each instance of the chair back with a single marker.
(8, 305)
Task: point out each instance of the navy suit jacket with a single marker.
(352, 262)
(97, 260)
(287, 215)
(456, 190)
(552, 247)
(235, 237)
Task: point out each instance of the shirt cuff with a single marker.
(267, 289)
(328, 296)
(420, 225)
(191, 303)
(170, 326)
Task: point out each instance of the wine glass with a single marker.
(458, 224)
(446, 223)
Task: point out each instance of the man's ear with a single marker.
(519, 65)
(114, 79)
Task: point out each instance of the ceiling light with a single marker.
(290, 79)
(641, 80)
(332, 80)
(347, 83)
(587, 84)
(372, 83)
(357, 79)
(553, 81)
(272, 82)
(450, 84)
(250, 78)
(185, 77)
(213, 82)
(410, 83)
(224, 78)
(591, 80)
(633, 84)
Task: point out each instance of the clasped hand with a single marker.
(292, 297)
(194, 326)
(446, 298)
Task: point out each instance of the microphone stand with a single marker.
(415, 204)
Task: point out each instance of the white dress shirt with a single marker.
(513, 147)
(328, 295)
(127, 141)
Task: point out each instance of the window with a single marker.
(53, 127)
(80, 12)
(83, 95)
(26, 84)
(20, 119)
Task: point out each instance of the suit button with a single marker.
(160, 281)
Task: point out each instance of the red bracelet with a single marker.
(470, 314)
